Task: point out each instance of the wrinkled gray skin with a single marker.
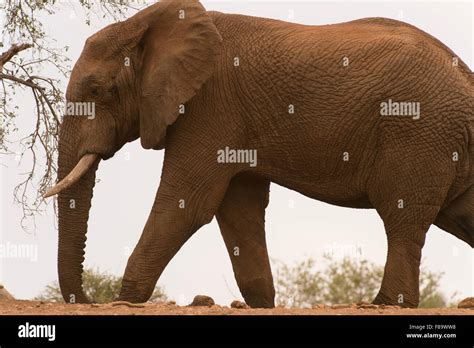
(336, 113)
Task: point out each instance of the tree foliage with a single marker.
(27, 51)
(344, 281)
(99, 287)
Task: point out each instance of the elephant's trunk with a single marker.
(74, 203)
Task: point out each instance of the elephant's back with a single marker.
(395, 27)
(266, 32)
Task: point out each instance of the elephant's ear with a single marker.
(179, 51)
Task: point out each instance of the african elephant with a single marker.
(372, 113)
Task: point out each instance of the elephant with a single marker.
(372, 113)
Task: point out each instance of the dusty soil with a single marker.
(20, 307)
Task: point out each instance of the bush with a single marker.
(99, 287)
(343, 281)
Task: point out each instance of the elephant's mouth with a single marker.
(81, 168)
(106, 156)
(86, 161)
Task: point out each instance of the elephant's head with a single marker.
(135, 75)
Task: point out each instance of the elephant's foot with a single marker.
(131, 298)
(400, 300)
(133, 293)
(258, 293)
(241, 218)
(400, 284)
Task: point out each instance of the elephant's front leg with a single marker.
(241, 218)
(179, 210)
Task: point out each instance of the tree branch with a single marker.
(12, 51)
(21, 81)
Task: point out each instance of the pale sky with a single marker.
(297, 227)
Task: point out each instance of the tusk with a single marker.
(79, 170)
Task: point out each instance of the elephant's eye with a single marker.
(95, 91)
(113, 90)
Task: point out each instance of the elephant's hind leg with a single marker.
(408, 197)
(458, 217)
(241, 218)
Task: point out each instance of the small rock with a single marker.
(238, 305)
(128, 304)
(365, 305)
(362, 303)
(202, 300)
(94, 305)
(5, 295)
(171, 303)
(341, 306)
(384, 306)
(468, 302)
(390, 307)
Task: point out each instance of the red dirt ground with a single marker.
(23, 307)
